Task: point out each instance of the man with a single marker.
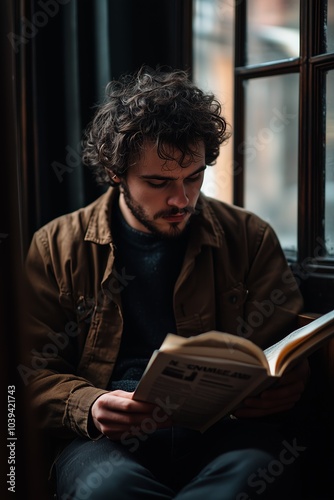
(153, 255)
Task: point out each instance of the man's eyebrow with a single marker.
(159, 177)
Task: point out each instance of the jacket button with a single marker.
(233, 299)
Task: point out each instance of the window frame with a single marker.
(313, 269)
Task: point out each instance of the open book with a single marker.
(203, 378)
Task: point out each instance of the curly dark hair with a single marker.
(156, 105)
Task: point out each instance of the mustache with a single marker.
(174, 211)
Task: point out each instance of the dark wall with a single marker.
(151, 32)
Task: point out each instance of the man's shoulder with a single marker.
(77, 219)
(230, 216)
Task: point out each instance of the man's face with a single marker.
(158, 196)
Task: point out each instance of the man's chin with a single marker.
(168, 226)
(170, 229)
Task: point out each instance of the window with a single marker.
(283, 122)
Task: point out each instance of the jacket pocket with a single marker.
(84, 308)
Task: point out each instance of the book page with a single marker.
(199, 391)
(230, 353)
(300, 341)
(216, 344)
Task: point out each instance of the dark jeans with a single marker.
(235, 459)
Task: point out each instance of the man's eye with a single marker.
(194, 178)
(157, 184)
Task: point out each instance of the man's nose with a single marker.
(178, 198)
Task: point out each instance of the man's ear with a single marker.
(114, 179)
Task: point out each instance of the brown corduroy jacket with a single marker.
(234, 278)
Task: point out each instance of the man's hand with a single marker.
(282, 397)
(117, 412)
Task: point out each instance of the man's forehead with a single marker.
(150, 160)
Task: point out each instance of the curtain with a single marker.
(56, 58)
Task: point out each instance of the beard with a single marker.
(139, 213)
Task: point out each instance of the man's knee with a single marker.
(244, 473)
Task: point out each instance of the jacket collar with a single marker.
(205, 228)
(99, 223)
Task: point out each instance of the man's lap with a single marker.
(235, 459)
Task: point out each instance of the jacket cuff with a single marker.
(77, 411)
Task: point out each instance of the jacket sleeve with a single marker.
(61, 398)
